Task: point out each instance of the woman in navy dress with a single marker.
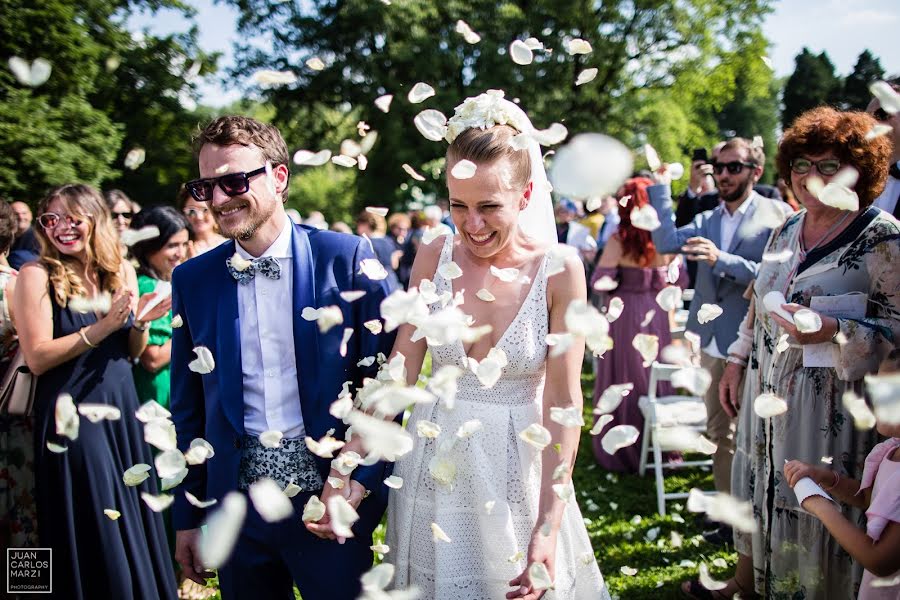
(88, 356)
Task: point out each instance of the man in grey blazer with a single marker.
(727, 243)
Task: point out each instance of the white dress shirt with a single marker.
(729, 227)
(887, 201)
(268, 361)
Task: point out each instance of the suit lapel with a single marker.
(306, 334)
(737, 238)
(715, 226)
(228, 348)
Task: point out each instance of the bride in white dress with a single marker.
(483, 512)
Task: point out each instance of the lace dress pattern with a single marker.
(487, 502)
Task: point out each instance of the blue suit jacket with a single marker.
(723, 283)
(211, 406)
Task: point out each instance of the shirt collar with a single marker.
(742, 209)
(280, 248)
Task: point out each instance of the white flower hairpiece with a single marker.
(484, 111)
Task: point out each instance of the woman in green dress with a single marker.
(157, 257)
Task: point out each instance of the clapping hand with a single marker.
(157, 311)
(119, 310)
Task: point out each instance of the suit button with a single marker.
(237, 443)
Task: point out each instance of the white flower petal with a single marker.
(432, 124)
(557, 257)
(222, 530)
(348, 332)
(669, 298)
(341, 515)
(520, 53)
(615, 308)
(601, 423)
(33, 75)
(708, 312)
(112, 514)
(505, 275)
(464, 169)
(267, 78)
(99, 412)
(160, 433)
(469, 428)
(539, 576)
(381, 438)
(586, 76)
(620, 436)
(374, 326)
(647, 345)
(412, 172)
(307, 158)
(807, 321)
(271, 439)
(135, 158)
(485, 295)
(769, 405)
(394, 482)
(605, 284)
(177, 321)
(269, 501)
(551, 136)
(676, 170)
(578, 46)
(169, 463)
(56, 448)
(427, 429)
(342, 160)
(204, 363)
(419, 93)
(194, 501)
(67, 420)
(443, 470)
(99, 303)
(645, 218)
(329, 316)
(839, 196)
(464, 30)
(724, 508)
(325, 447)
(696, 380)
(569, 416)
(884, 391)
(136, 475)
(559, 343)
(435, 232)
(878, 130)
(629, 571)
(887, 96)
(384, 102)
(438, 534)
(652, 157)
(157, 503)
(536, 435)
(450, 270)
(315, 63)
(863, 417)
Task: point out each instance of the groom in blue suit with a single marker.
(274, 370)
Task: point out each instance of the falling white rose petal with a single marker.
(315, 63)
(559, 343)
(464, 169)
(769, 405)
(578, 46)
(130, 237)
(450, 270)
(839, 196)
(620, 436)
(99, 412)
(335, 482)
(557, 257)
(615, 308)
(438, 534)
(344, 161)
(136, 475)
(307, 158)
(724, 508)
(586, 76)
(341, 515)
(539, 576)
(374, 326)
(887, 96)
(536, 435)
(194, 501)
(551, 136)
(783, 343)
(325, 447)
(708, 582)
(427, 429)
(160, 433)
(169, 463)
(420, 92)
(348, 332)
(271, 439)
(269, 501)
(222, 530)
(520, 53)
(652, 157)
(575, 173)
(112, 514)
(157, 503)
(204, 363)
(432, 124)
(352, 295)
(33, 75)
(56, 448)
(708, 312)
(569, 416)
(381, 438)
(485, 295)
(435, 232)
(676, 170)
(135, 158)
(778, 257)
(505, 275)
(267, 78)
(645, 218)
(412, 172)
(647, 345)
(67, 421)
(464, 30)
(329, 316)
(394, 482)
(807, 321)
(878, 130)
(605, 284)
(696, 380)
(884, 391)
(602, 422)
(177, 321)
(384, 102)
(863, 417)
(669, 298)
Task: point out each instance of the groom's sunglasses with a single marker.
(734, 167)
(233, 184)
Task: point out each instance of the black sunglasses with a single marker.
(826, 166)
(233, 184)
(734, 167)
(125, 215)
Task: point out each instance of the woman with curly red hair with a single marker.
(627, 279)
(824, 255)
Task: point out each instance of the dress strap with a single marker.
(442, 284)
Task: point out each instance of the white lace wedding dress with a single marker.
(489, 508)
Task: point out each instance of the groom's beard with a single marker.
(739, 190)
(253, 220)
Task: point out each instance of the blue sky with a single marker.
(843, 28)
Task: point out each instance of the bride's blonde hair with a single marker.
(484, 146)
(101, 244)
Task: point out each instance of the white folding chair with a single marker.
(667, 411)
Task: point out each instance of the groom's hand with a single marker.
(352, 490)
(187, 555)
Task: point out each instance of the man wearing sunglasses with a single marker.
(889, 200)
(275, 372)
(727, 245)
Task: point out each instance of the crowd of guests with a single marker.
(714, 238)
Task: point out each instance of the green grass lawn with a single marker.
(626, 531)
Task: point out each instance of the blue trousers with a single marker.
(269, 558)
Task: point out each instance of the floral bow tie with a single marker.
(267, 265)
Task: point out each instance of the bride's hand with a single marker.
(352, 490)
(541, 550)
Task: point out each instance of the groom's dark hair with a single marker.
(236, 129)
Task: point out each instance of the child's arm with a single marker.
(882, 558)
(844, 490)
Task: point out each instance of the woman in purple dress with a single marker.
(631, 270)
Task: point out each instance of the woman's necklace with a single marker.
(804, 252)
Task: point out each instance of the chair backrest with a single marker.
(660, 372)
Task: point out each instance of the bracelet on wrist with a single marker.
(837, 480)
(837, 331)
(736, 360)
(84, 338)
(142, 328)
